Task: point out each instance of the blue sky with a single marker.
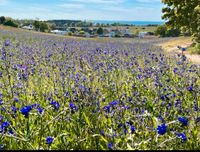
(127, 10)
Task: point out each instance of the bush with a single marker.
(150, 33)
(2, 19)
(100, 31)
(10, 23)
(197, 48)
(161, 31)
(70, 33)
(172, 33)
(82, 32)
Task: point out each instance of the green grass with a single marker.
(142, 29)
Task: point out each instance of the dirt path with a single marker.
(171, 47)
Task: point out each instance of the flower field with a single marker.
(63, 93)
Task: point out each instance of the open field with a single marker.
(96, 94)
(143, 29)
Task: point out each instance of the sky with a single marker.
(118, 10)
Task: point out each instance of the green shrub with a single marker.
(195, 48)
(82, 32)
(172, 33)
(161, 31)
(10, 23)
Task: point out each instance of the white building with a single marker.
(126, 32)
(59, 32)
(29, 27)
(112, 34)
(142, 34)
(87, 35)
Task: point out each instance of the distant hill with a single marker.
(64, 22)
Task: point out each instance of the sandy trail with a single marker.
(171, 47)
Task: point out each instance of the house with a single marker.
(59, 32)
(87, 35)
(29, 27)
(105, 32)
(126, 31)
(142, 34)
(112, 34)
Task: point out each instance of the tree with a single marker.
(2, 19)
(164, 31)
(100, 31)
(37, 25)
(41, 26)
(183, 13)
(173, 32)
(10, 22)
(161, 30)
(44, 26)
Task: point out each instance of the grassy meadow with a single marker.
(63, 93)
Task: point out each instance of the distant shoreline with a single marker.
(137, 23)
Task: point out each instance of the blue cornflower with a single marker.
(1, 101)
(72, 106)
(7, 42)
(10, 131)
(1, 118)
(125, 131)
(136, 109)
(132, 129)
(183, 121)
(25, 76)
(103, 99)
(197, 120)
(102, 133)
(175, 70)
(40, 110)
(183, 49)
(143, 111)
(162, 129)
(127, 107)
(49, 140)
(110, 145)
(190, 88)
(107, 108)
(14, 109)
(5, 124)
(16, 100)
(3, 109)
(35, 105)
(1, 74)
(25, 110)
(113, 103)
(55, 104)
(181, 136)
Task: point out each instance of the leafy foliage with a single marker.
(9, 22)
(2, 19)
(163, 31)
(183, 14)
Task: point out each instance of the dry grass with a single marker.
(170, 47)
